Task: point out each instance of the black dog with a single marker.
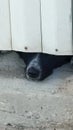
(39, 65)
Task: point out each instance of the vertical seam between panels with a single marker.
(10, 23)
(41, 25)
(72, 22)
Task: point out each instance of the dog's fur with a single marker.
(39, 65)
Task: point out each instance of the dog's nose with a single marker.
(33, 72)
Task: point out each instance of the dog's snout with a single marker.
(33, 72)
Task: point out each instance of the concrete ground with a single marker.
(29, 105)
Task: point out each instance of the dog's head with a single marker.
(40, 66)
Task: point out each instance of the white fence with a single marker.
(36, 26)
